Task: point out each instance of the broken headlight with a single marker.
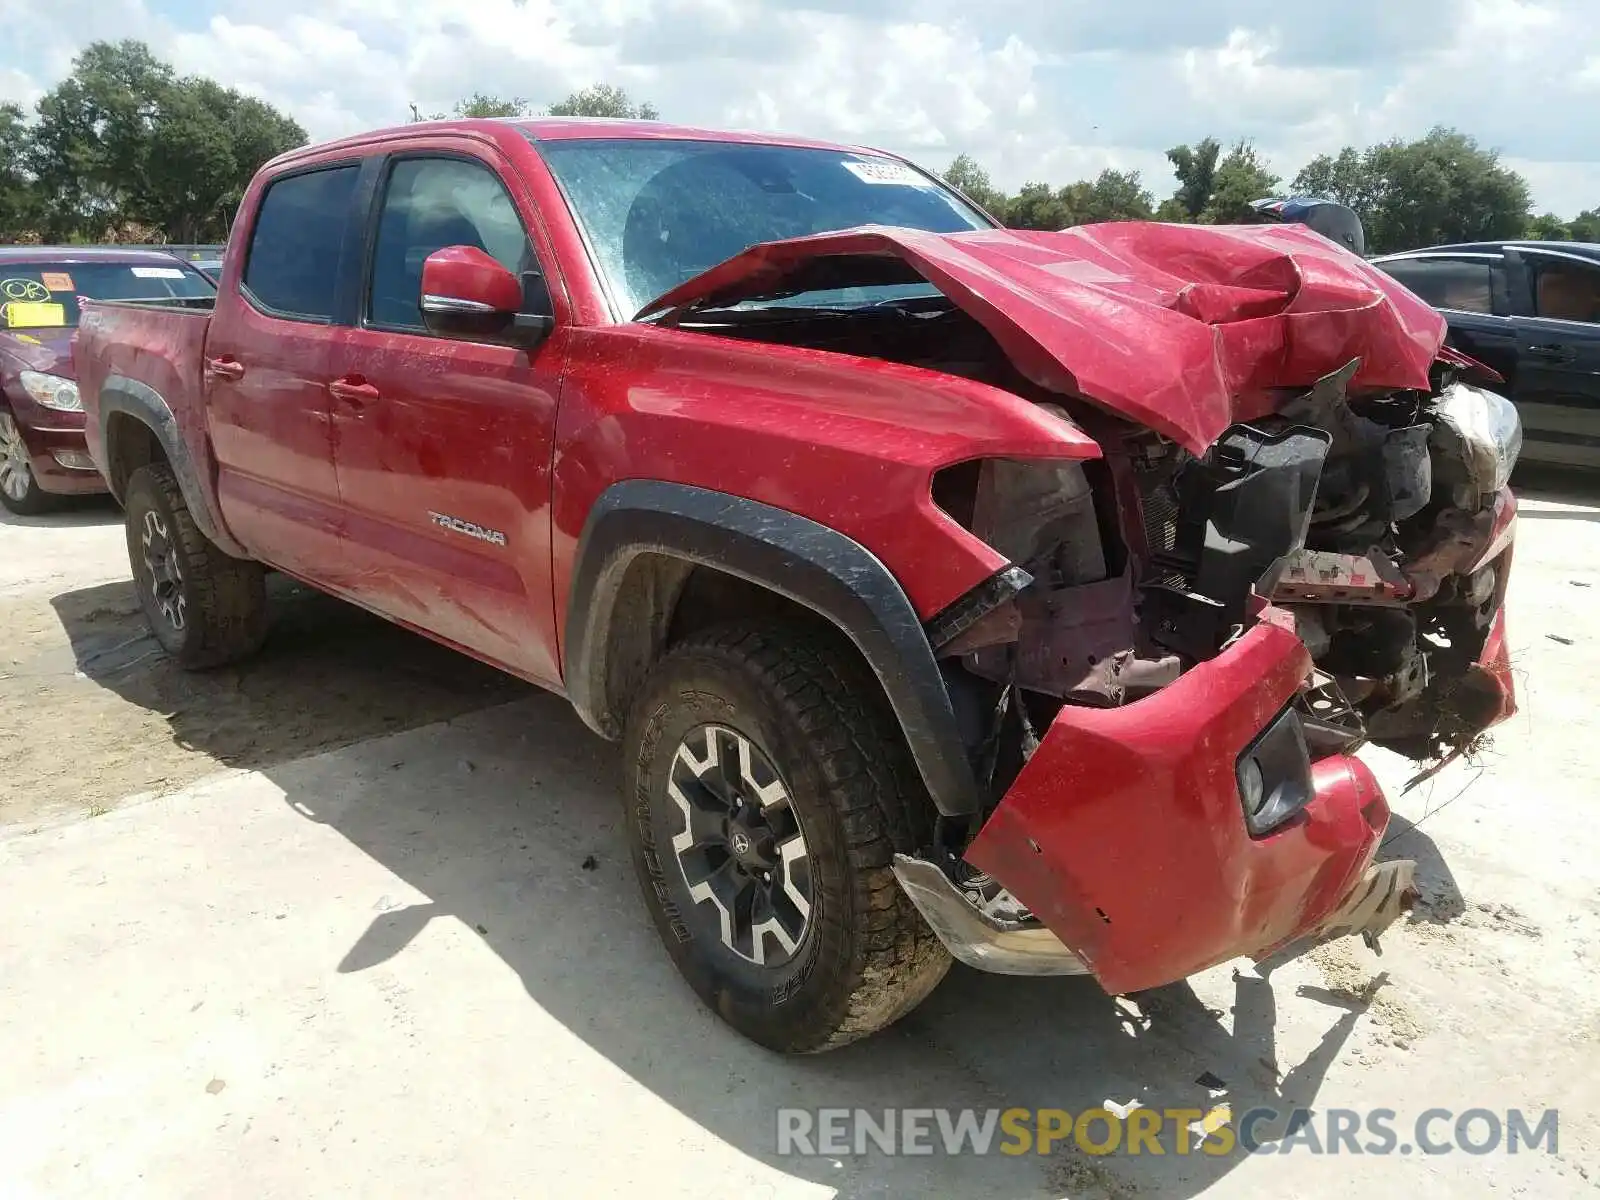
(1477, 437)
(1274, 775)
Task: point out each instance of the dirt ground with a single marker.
(79, 667)
(356, 918)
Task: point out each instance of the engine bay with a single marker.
(1371, 518)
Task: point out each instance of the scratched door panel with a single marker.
(445, 481)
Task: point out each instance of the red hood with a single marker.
(1182, 328)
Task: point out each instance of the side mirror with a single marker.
(466, 293)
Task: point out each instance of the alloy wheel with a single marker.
(16, 472)
(741, 848)
(164, 576)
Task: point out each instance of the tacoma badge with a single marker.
(455, 524)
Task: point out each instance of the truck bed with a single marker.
(159, 346)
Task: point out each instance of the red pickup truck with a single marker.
(1014, 596)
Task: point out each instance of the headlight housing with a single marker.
(1482, 432)
(52, 391)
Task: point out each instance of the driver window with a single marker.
(431, 203)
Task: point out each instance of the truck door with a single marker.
(443, 444)
(266, 370)
(1558, 357)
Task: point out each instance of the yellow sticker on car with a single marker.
(32, 314)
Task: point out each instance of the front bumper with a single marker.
(51, 436)
(1125, 835)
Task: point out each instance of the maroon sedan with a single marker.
(42, 449)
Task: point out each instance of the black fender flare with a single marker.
(119, 394)
(810, 564)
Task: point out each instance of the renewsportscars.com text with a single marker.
(1218, 1131)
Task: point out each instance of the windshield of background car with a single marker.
(657, 213)
(44, 295)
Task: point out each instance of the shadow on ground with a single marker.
(508, 821)
(74, 513)
(330, 674)
(1558, 485)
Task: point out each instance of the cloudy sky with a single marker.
(1036, 89)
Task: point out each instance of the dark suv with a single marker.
(1530, 310)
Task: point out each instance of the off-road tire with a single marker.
(224, 600)
(866, 957)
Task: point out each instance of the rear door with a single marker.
(266, 370)
(444, 444)
(1558, 344)
(1473, 291)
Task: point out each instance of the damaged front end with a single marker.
(1295, 540)
(1165, 693)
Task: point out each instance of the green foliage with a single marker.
(604, 100)
(1440, 188)
(1549, 228)
(972, 181)
(480, 105)
(124, 140)
(1239, 178)
(1585, 227)
(1196, 169)
(18, 200)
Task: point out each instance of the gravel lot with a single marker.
(356, 919)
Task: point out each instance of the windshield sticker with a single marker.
(892, 173)
(23, 289)
(158, 272)
(56, 281)
(32, 314)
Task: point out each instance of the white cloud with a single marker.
(1036, 89)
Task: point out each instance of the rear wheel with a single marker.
(767, 794)
(19, 487)
(205, 607)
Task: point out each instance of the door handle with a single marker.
(352, 389)
(1553, 353)
(224, 368)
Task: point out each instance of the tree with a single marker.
(1585, 227)
(1036, 206)
(1196, 169)
(604, 100)
(1344, 179)
(18, 199)
(967, 177)
(1110, 196)
(123, 140)
(1239, 179)
(1440, 188)
(1549, 228)
(480, 105)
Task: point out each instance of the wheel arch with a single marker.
(137, 428)
(645, 541)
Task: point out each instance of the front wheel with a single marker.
(19, 487)
(767, 792)
(205, 607)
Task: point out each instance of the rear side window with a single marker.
(296, 246)
(1566, 291)
(1462, 284)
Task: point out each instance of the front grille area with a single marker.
(1158, 503)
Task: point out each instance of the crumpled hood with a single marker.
(1181, 328)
